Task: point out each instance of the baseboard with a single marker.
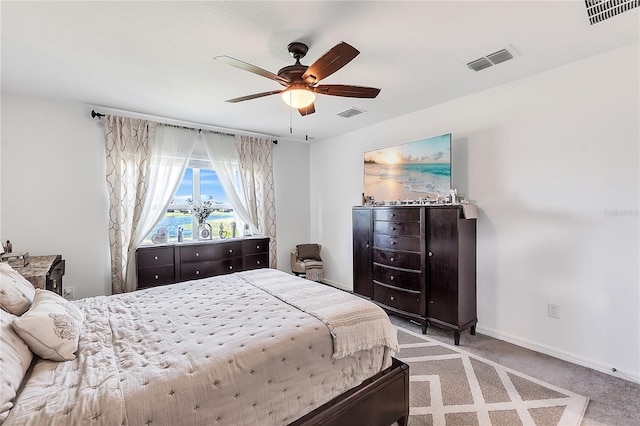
(565, 356)
(337, 285)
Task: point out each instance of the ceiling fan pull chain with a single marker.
(306, 130)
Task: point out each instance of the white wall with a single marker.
(553, 163)
(291, 176)
(54, 198)
(53, 193)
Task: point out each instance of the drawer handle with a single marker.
(197, 272)
(258, 247)
(393, 228)
(430, 254)
(393, 243)
(197, 254)
(155, 257)
(230, 267)
(156, 277)
(393, 215)
(230, 250)
(392, 298)
(391, 277)
(392, 259)
(367, 245)
(258, 262)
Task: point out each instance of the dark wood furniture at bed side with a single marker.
(418, 262)
(45, 272)
(173, 263)
(379, 401)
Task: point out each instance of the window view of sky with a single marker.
(209, 186)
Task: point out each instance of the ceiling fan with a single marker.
(301, 81)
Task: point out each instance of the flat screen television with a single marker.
(411, 171)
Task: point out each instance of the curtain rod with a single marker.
(98, 115)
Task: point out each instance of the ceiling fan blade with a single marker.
(310, 109)
(254, 96)
(337, 57)
(251, 68)
(347, 91)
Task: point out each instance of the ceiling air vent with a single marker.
(479, 64)
(500, 56)
(351, 112)
(494, 58)
(599, 10)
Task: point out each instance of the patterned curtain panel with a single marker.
(256, 170)
(128, 153)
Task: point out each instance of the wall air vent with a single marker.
(599, 10)
(494, 58)
(351, 112)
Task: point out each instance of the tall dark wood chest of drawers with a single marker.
(418, 262)
(172, 263)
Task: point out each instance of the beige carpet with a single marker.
(450, 386)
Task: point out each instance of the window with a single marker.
(197, 184)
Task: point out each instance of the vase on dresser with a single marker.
(204, 231)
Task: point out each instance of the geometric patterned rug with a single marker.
(449, 386)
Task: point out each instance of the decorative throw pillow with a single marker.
(51, 327)
(15, 360)
(308, 252)
(16, 293)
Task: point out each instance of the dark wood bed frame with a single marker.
(379, 401)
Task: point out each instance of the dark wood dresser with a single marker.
(418, 262)
(172, 263)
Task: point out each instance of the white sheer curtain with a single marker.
(223, 156)
(256, 170)
(145, 163)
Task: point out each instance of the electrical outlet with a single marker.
(554, 310)
(67, 293)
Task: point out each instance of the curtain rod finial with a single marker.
(95, 114)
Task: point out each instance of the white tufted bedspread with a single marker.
(217, 351)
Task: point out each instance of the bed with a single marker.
(255, 347)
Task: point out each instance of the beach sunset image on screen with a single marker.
(415, 170)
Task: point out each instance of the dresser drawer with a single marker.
(195, 270)
(151, 277)
(403, 214)
(155, 256)
(403, 300)
(256, 261)
(227, 266)
(255, 246)
(396, 228)
(398, 278)
(400, 242)
(398, 259)
(203, 252)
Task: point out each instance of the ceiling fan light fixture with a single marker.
(298, 97)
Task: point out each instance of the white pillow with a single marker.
(15, 358)
(16, 293)
(51, 327)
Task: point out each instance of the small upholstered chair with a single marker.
(306, 261)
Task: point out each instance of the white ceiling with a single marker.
(157, 57)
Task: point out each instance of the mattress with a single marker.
(226, 350)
